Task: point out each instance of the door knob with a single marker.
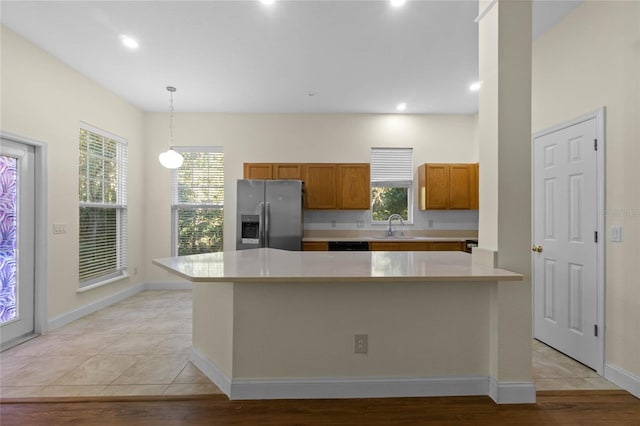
(537, 248)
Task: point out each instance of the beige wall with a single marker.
(45, 100)
(589, 60)
(290, 138)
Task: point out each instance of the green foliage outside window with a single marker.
(200, 231)
(386, 201)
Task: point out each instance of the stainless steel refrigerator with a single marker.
(269, 214)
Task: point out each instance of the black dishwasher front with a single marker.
(348, 246)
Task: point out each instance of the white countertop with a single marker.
(272, 265)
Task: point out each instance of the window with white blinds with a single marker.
(392, 166)
(391, 183)
(103, 206)
(198, 201)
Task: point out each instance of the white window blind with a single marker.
(103, 206)
(392, 167)
(198, 201)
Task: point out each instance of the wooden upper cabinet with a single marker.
(433, 183)
(287, 171)
(258, 171)
(320, 181)
(448, 186)
(460, 182)
(475, 187)
(354, 186)
(328, 186)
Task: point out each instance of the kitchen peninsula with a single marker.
(270, 323)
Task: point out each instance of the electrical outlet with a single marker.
(361, 343)
(333, 223)
(360, 223)
(59, 228)
(430, 223)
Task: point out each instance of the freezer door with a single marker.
(283, 214)
(250, 214)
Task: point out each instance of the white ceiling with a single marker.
(359, 56)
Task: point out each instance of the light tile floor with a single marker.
(140, 346)
(552, 370)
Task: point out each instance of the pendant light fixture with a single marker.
(171, 159)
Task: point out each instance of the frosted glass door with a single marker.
(16, 240)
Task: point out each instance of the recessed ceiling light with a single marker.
(128, 41)
(401, 106)
(397, 3)
(267, 2)
(475, 86)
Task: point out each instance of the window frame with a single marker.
(404, 179)
(120, 206)
(176, 206)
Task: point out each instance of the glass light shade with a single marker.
(171, 159)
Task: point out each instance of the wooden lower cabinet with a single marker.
(399, 246)
(394, 246)
(446, 245)
(315, 245)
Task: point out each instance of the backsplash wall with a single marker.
(361, 219)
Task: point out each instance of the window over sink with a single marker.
(391, 184)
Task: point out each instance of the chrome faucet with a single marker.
(392, 231)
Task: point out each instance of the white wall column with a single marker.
(505, 184)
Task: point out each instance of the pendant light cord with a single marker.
(171, 89)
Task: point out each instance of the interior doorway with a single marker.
(568, 237)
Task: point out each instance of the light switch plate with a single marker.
(59, 228)
(615, 233)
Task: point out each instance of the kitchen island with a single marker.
(270, 323)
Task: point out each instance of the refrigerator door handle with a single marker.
(261, 225)
(267, 217)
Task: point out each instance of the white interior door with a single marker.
(17, 240)
(565, 256)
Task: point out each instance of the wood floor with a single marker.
(606, 407)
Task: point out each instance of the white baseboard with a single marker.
(211, 370)
(70, 316)
(240, 389)
(512, 392)
(620, 377)
(169, 286)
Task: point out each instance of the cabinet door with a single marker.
(460, 186)
(354, 186)
(475, 187)
(446, 246)
(433, 180)
(287, 171)
(398, 246)
(315, 246)
(320, 182)
(258, 171)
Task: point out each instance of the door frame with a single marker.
(599, 116)
(40, 310)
